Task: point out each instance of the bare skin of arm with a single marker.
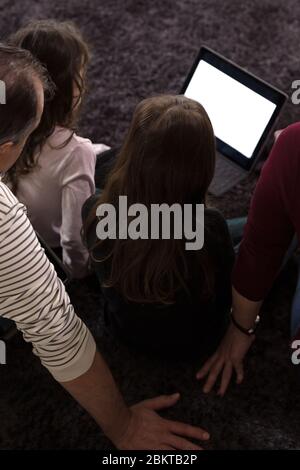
(138, 427)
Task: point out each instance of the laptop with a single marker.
(243, 110)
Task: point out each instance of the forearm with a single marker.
(97, 392)
(245, 311)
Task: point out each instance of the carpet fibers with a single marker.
(143, 48)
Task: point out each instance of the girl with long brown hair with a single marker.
(55, 173)
(159, 296)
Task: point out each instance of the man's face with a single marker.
(10, 151)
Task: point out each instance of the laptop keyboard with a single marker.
(227, 175)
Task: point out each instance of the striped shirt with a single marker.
(32, 295)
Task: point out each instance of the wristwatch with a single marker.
(248, 332)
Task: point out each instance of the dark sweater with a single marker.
(189, 326)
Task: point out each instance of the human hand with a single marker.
(277, 134)
(227, 359)
(146, 430)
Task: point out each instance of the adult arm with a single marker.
(33, 296)
(138, 427)
(273, 219)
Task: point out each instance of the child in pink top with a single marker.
(55, 173)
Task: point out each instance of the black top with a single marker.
(191, 325)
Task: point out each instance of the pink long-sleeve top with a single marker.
(55, 191)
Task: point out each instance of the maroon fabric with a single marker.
(274, 217)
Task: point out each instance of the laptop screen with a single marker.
(241, 107)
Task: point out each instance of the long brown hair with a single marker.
(168, 157)
(60, 47)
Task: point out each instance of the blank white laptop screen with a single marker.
(239, 115)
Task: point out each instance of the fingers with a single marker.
(186, 430)
(239, 369)
(213, 375)
(182, 444)
(226, 377)
(205, 369)
(161, 402)
(214, 372)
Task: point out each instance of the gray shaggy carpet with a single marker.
(141, 48)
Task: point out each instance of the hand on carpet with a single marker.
(148, 431)
(228, 358)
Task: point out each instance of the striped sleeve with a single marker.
(32, 295)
